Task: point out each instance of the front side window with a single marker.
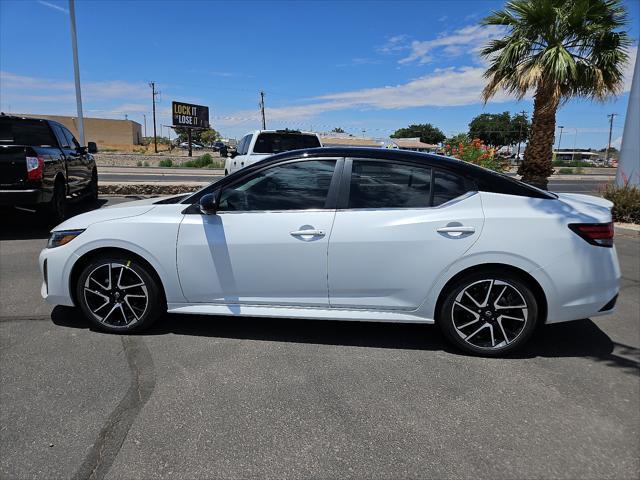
(447, 186)
(71, 139)
(389, 185)
(292, 186)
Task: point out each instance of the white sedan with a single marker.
(346, 234)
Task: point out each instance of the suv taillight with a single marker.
(35, 167)
(600, 234)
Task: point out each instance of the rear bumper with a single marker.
(31, 196)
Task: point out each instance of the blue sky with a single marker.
(363, 66)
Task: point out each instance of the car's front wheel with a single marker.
(119, 294)
(489, 313)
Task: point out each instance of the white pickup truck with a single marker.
(260, 144)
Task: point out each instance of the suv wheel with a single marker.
(489, 313)
(55, 211)
(92, 189)
(119, 295)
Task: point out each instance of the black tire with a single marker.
(226, 173)
(122, 314)
(465, 313)
(55, 211)
(92, 189)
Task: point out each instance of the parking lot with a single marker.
(199, 397)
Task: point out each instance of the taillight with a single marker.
(35, 167)
(600, 234)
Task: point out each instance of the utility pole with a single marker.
(145, 124)
(611, 117)
(524, 117)
(559, 139)
(264, 122)
(76, 70)
(153, 97)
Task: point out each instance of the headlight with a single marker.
(57, 239)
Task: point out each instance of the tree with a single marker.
(197, 135)
(499, 129)
(427, 133)
(337, 130)
(457, 139)
(558, 49)
(209, 136)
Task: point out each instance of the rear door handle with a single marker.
(457, 229)
(315, 233)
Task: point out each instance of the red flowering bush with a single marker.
(478, 153)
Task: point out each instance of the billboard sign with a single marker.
(190, 116)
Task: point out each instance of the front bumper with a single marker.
(55, 269)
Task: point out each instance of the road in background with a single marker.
(204, 397)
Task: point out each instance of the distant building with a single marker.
(348, 141)
(582, 154)
(103, 131)
(414, 144)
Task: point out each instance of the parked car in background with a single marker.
(346, 234)
(194, 146)
(260, 144)
(42, 166)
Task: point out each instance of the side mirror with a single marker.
(209, 204)
(92, 147)
(232, 154)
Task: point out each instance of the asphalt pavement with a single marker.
(215, 397)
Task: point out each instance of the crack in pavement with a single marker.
(105, 449)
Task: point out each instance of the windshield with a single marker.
(276, 142)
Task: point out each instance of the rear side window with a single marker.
(447, 186)
(18, 131)
(292, 186)
(73, 143)
(389, 185)
(64, 143)
(275, 142)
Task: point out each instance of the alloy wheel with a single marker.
(489, 314)
(116, 295)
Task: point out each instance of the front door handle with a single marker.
(456, 229)
(314, 233)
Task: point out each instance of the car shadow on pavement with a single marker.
(25, 224)
(581, 338)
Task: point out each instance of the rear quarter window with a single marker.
(447, 186)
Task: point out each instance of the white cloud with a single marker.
(394, 44)
(53, 6)
(463, 40)
(442, 88)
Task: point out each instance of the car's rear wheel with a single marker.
(119, 294)
(489, 313)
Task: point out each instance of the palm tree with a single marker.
(558, 49)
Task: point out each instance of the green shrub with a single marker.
(139, 163)
(166, 162)
(571, 163)
(201, 162)
(626, 202)
(145, 164)
(565, 171)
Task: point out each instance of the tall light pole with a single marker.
(76, 70)
(145, 124)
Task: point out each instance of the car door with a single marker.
(267, 244)
(397, 228)
(239, 160)
(73, 159)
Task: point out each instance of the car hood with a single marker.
(116, 212)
